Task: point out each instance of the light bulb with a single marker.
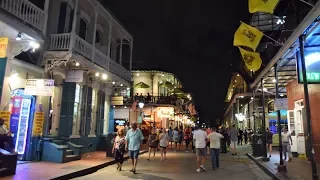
(97, 74)
(104, 76)
(77, 64)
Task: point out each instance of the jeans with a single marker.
(215, 157)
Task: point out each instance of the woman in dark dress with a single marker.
(153, 143)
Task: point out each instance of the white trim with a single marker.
(70, 2)
(92, 135)
(100, 29)
(85, 16)
(75, 136)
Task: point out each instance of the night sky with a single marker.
(190, 38)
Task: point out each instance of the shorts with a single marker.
(134, 154)
(163, 147)
(208, 144)
(233, 144)
(269, 142)
(200, 152)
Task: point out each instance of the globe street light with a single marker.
(141, 104)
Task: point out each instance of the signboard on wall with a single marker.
(38, 124)
(6, 116)
(312, 62)
(117, 100)
(74, 76)
(3, 47)
(39, 87)
(281, 103)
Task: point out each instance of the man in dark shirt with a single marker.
(240, 135)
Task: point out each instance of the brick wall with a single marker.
(295, 92)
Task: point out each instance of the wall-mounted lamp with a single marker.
(104, 76)
(19, 36)
(141, 104)
(97, 74)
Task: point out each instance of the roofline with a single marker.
(307, 21)
(157, 71)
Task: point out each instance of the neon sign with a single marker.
(312, 61)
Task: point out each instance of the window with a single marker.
(93, 113)
(111, 46)
(76, 111)
(98, 37)
(65, 18)
(83, 29)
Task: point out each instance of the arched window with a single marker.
(65, 18)
(83, 28)
(98, 37)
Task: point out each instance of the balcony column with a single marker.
(94, 32)
(120, 55)
(74, 25)
(109, 38)
(46, 10)
(131, 50)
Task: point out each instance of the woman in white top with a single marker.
(164, 138)
(119, 148)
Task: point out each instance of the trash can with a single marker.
(257, 146)
(109, 144)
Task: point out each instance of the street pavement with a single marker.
(182, 166)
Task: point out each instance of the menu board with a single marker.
(23, 126)
(38, 124)
(6, 116)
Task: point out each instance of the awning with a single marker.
(167, 84)
(141, 85)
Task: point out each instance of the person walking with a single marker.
(245, 135)
(119, 148)
(175, 135)
(164, 138)
(200, 138)
(224, 140)
(240, 137)
(187, 134)
(208, 131)
(286, 139)
(153, 143)
(180, 133)
(214, 139)
(233, 133)
(134, 139)
(170, 132)
(269, 141)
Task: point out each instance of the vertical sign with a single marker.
(23, 126)
(3, 47)
(6, 116)
(38, 124)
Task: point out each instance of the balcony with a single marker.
(25, 11)
(72, 42)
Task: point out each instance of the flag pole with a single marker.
(272, 39)
(307, 3)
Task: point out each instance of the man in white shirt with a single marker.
(200, 138)
(214, 138)
(286, 139)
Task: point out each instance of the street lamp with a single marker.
(141, 104)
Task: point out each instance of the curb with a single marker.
(263, 167)
(89, 170)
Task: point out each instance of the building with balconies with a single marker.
(23, 27)
(161, 95)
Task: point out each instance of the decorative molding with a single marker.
(70, 3)
(17, 48)
(54, 60)
(85, 16)
(100, 29)
(60, 72)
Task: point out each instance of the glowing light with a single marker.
(138, 74)
(104, 76)
(121, 85)
(97, 74)
(274, 80)
(113, 82)
(77, 64)
(141, 104)
(34, 45)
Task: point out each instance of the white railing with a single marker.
(69, 42)
(26, 11)
(60, 41)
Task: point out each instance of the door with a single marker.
(299, 131)
(292, 129)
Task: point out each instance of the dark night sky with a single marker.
(190, 38)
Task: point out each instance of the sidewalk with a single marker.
(297, 169)
(89, 163)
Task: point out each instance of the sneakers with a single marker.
(202, 168)
(198, 170)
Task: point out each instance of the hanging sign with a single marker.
(312, 62)
(38, 124)
(6, 116)
(3, 47)
(39, 87)
(281, 103)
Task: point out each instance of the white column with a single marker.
(94, 32)
(131, 49)
(109, 37)
(106, 114)
(74, 25)
(46, 11)
(120, 55)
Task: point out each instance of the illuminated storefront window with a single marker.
(76, 111)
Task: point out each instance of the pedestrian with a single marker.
(200, 138)
(214, 139)
(245, 135)
(175, 134)
(269, 141)
(180, 133)
(224, 140)
(119, 148)
(153, 143)
(164, 138)
(170, 131)
(187, 134)
(240, 136)
(134, 139)
(233, 133)
(5, 136)
(286, 139)
(208, 131)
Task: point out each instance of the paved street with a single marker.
(181, 165)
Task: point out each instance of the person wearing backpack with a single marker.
(119, 148)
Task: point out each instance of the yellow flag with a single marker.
(266, 6)
(252, 60)
(247, 36)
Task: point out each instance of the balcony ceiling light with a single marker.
(274, 80)
(97, 74)
(104, 76)
(162, 75)
(121, 85)
(19, 36)
(113, 82)
(138, 74)
(34, 45)
(77, 64)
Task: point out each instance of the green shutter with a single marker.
(89, 110)
(100, 112)
(66, 112)
(83, 108)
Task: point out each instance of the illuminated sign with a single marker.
(312, 61)
(23, 126)
(39, 87)
(3, 46)
(240, 117)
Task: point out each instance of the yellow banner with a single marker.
(6, 116)
(266, 6)
(247, 36)
(38, 124)
(252, 60)
(3, 46)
